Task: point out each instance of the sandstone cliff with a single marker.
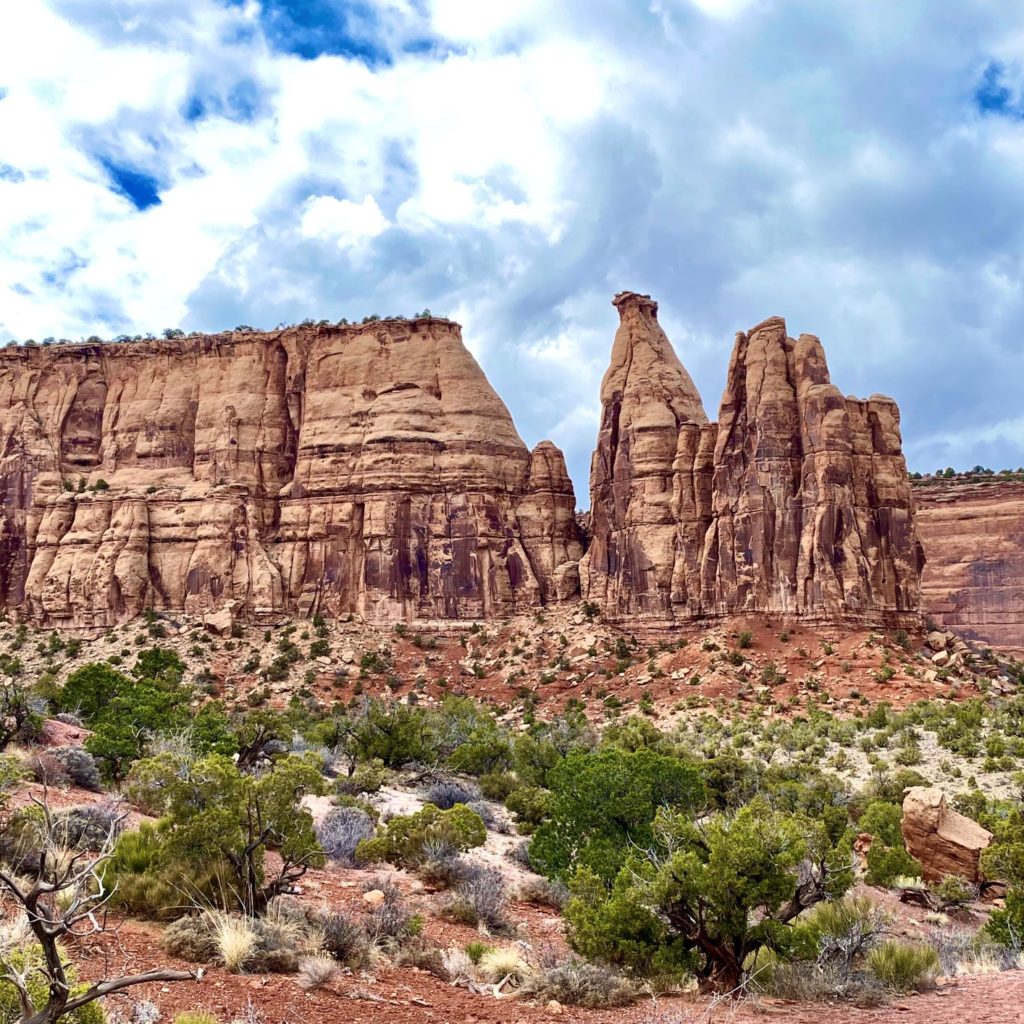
(368, 469)
(973, 537)
(796, 503)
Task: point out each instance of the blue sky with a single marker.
(857, 168)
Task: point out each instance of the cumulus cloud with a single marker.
(856, 168)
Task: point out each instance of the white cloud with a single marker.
(734, 158)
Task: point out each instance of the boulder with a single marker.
(222, 620)
(944, 841)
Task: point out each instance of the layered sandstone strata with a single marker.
(367, 469)
(795, 503)
(944, 841)
(973, 537)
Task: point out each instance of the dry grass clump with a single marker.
(236, 941)
(904, 966)
(315, 972)
(503, 965)
(593, 986)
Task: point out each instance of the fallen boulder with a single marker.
(944, 841)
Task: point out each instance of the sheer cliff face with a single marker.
(366, 469)
(973, 537)
(795, 503)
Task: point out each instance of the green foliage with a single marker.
(402, 840)
(216, 816)
(395, 735)
(604, 803)
(30, 961)
(904, 966)
(1004, 859)
(20, 718)
(708, 895)
(531, 805)
(887, 863)
(882, 820)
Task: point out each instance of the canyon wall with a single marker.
(361, 469)
(796, 503)
(973, 537)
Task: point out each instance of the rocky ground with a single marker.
(540, 664)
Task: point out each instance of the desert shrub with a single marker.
(706, 897)
(811, 982)
(955, 893)
(21, 718)
(29, 962)
(480, 899)
(838, 931)
(457, 965)
(543, 892)
(46, 769)
(12, 773)
(498, 785)
(885, 864)
(80, 766)
(447, 793)
(341, 830)
(402, 840)
(343, 938)
(881, 819)
(593, 986)
(904, 966)
(144, 883)
(531, 806)
(394, 734)
(91, 688)
(604, 805)
(195, 1017)
(1004, 859)
(88, 827)
(217, 817)
(315, 972)
(442, 866)
(190, 938)
(390, 924)
(367, 777)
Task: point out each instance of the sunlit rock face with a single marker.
(795, 503)
(362, 469)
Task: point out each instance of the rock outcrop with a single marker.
(796, 503)
(973, 537)
(942, 840)
(354, 469)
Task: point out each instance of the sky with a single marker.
(856, 167)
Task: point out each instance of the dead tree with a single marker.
(64, 899)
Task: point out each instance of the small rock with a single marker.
(374, 898)
(348, 656)
(554, 1006)
(936, 641)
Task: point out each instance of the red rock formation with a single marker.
(973, 538)
(945, 842)
(796, 503)
(367, 469)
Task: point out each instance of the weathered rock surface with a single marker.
(944, 841)
(796, 503)
(973, 537)
(368, 469)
